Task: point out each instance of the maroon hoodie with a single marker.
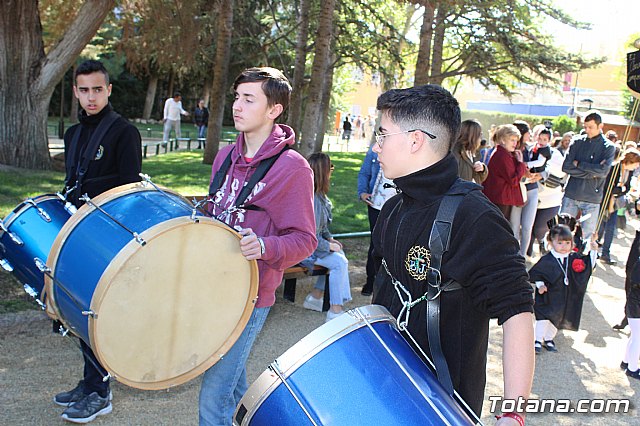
(284, 197)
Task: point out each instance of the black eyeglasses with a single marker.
(380, 136)
(332, 167)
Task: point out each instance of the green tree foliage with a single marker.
(500, 43)
(564, 124)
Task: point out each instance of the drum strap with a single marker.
(260, 172)
(91, 149)
(438, 245)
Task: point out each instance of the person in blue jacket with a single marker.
(373, 189)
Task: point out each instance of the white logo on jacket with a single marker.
(230, 215)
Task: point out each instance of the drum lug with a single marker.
(13, 236)
(43, 214)
(6, 265)
(16, 239)
(90, 314)
(42, 266)
(33, 293)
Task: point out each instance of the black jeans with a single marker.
(93, 372)
(372, 265)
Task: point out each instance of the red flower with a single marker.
(578, 265)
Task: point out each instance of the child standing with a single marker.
(561, 278)
(632, 311)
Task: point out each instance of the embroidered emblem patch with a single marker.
(100, 152)
(417, 262)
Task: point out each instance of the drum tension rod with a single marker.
(276, 369)
(148, 180)
(13, 236)
(47, 271)
(33, 293)
(137, 237)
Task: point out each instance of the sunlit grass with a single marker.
(184, 173)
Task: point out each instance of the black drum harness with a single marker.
(260, 172)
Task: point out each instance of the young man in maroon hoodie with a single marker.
(272, 233)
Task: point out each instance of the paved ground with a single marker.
(35, 364)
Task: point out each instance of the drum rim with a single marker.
(115, 266)
(75, 219)
(298, 354)
(23, 207)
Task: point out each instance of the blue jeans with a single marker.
(609, 230)
(339, 287)
(572, 207)
(202, 131)
(224, 384)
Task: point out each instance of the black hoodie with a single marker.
(483, 257)
(117, 162)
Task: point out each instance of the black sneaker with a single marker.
(87, 409)
(65, 399)
(68, 398)
(624, 365)
(633, 374)
(538, 347)
(607, 259)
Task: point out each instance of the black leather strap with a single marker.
(92, 147)
(438, 245)
(260, 172)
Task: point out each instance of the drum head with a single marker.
(169, 310)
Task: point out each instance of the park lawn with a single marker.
(183, 172)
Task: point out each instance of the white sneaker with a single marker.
(312, 303)
(331, 315)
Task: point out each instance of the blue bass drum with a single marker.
(157, 293)
(27, 235)
(354, 370)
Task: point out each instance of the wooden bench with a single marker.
(292, 274)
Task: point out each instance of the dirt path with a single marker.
(35, 364)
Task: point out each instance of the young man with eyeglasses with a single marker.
(482, 274)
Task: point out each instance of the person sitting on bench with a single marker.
(329, 251)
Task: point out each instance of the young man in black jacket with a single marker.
(587, 163)
(482, 272)
(116, 160)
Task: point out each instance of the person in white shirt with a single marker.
(172, 110)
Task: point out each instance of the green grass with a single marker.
(184, 173)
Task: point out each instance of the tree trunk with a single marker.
(170, 89)
(206, 90)
(423, 64)
(151, 96)
(326, 99)
(219, 83)
(313, 109)
(295, 106)
(28, 76)
(73, 115)
(438, 45)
